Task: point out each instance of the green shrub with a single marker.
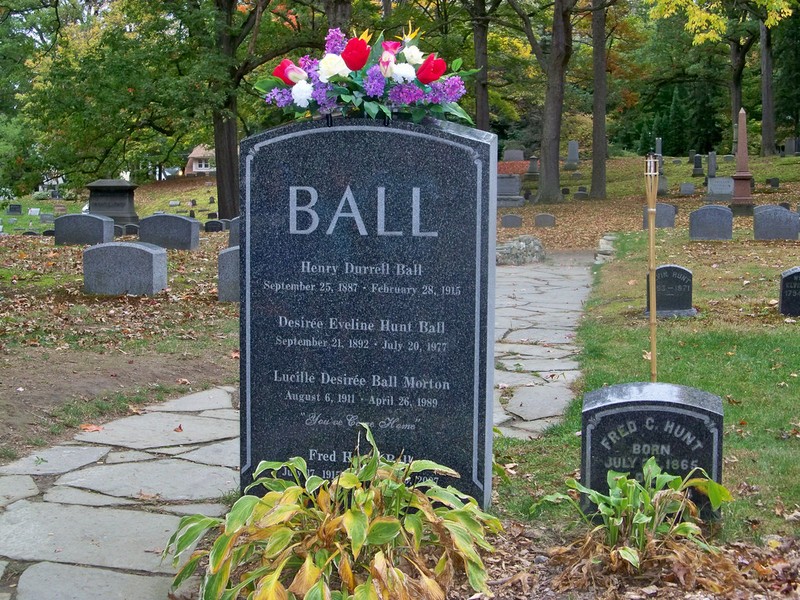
(368, 534)
(40, 196)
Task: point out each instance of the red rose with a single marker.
(431, 69)
(280, 71)
(355, 54)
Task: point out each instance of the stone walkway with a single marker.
(87, 520)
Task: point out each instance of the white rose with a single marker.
(403, 73)
(301, 93)
(413, 55)
(330, 65)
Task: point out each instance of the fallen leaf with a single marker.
(89, 427)
(135, 410)
(235, 354)
(179, 428)
(183, 382)
(647, 355)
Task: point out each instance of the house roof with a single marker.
(202, 151)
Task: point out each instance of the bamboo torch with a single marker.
(651, 188)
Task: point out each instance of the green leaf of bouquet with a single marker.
(383, 530)
(454, 108)
(375, 53)
(386, 110)
(268, 84)
(456, 64)
(418, 113)
(346, 97)
(371, 108)
(357, 100)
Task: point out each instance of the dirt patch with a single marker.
(34, 382)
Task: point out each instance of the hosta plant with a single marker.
(372, 533)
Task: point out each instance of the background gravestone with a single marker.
(790, 292)
(83, 229)
(544, 220)
(775, 223)
(113, 198)
(511, 221)
(367, 293)
(514, 154)
(673, 292)
(720, 189)
(572, 161)
(228, 288)
(233, 235)
(509, 188)
(686, 189)
(665, 215)
(624, 425)
(120, 268)
(711, 222)
(170, 231)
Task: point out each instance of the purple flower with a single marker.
(374, 82)
(405, 94)
(446, 90)
(324, 97)
(334, 41)
(308, 64)
(280, 97)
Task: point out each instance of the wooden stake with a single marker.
(651, 189)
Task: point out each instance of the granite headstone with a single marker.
(513, 221)
(14, 209)
(790, 292)
(544, 220)
(170, 231)
(120, 268)
(673, 292)
(83, 229)
(228, 288)
(214, 225)
(711, 222)
(775, 223)
(367, 295)
(113, 198)
(514, 154)
(686, 189)
(720, 189)
(572, 161)
(665, 215)
(233, 235)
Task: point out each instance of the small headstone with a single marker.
(233, 236)
(117, 268)
(181, 211)
(228, 275)
(626, 424)
(14, 209)
(11, 220)
(665, 215)
(214, 226)
(774, 182)
(174, 203)
(170, 231)
(46, 232)
(686, 189)
(59, 209)
(533, 165)
(512, 221)
(571, 163)
(30, 232)
(790, 292)
(576, 175)
(729, 158)
(790, 146)
(579, 195)
(786, 205)
(697, 171)
(712, 165)
(515, 154)
(544, 220)
(211, 200)
(565, 191)
(118, 230)
(677, 161)
(83, 229)
(720, 189)
(663, 186)
(34, 212)
(47, 217)
(692, 154)
(711, 222)
(131, 229)
(191, 214)
(673, 292)
(582, 188)
(775, 223)
(193, 203)
(509, 188)
(212, 215)
(658, 146)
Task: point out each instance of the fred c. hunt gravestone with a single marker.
(367, 292)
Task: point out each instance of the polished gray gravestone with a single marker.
(686, 189)
(233, 232)
(512, 221)
(626, 424)
(119, 230)
(544, 220)
(14, 209)
(514, 154)
(509, 190)
(113, 198)
(131, 229)
(117, 268)
(368, 287)
(665, 215)
(170, 231)
(775, 223)
(79, 230)
(720, 189)
(712, 165)
(697, 170)
(790, 292)
(711, 222)
(214, 225)
(228, 275)
(571, 164)
(673, 292)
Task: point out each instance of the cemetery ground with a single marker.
(70, 360)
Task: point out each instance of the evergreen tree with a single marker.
(675, 143)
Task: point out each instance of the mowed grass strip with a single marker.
(739, 348)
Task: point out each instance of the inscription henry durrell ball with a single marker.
(367, 286)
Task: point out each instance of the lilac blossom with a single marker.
(308, 64)
(334, 41)
(405, 94)
(374, 82)
(280, 97)
(446, 90)
(324, 97)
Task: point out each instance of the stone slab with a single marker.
(215, 398)
(208, 509)
(55, 460)
(229, 414)
(69, 582)
(157, 429)
(169, 479)
(3, 565)
(64, 494)
(174, 450)
(127, 456)
(538, 427)
(223, 454)
(103, 537)
(514, 379)
(16, 487)
(532, 351)
(553, 336)
(538, 365)
(540, 402)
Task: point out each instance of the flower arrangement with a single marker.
(356, 78)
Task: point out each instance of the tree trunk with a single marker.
(560, 53)
(767, 94)
(338, 13)
(599, 143)
(226, 149)
(480, 30)
(739, 47)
